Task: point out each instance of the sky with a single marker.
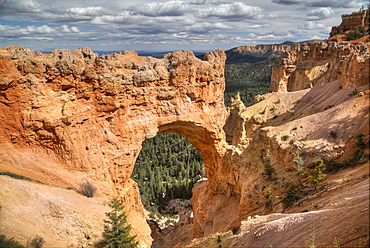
(166, 25)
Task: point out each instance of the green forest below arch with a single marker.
(167, 168)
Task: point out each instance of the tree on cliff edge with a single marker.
(116, 231)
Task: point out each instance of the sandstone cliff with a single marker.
(316, 63)
(352, 21)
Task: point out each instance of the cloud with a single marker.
(46, 12)
(176, 22)
(11, 7)
(206, 27)
(326, 3)
(320, 14)
(335, 3)
(234, 11)
(171, 8)
(37, 32)
(311, 25)
(287, 2)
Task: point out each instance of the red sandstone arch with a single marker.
(91, 114)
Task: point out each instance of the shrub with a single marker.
(291, 195)
(268, 193)
(328, 107)
(285, 137)
(317, 175)
(87, 189)
(9, 243)
(354, 92)
(332, 166)
(333, 134)
(268, 169)
(359, 155)
(36, 242)
(360, 142)
(16, 176)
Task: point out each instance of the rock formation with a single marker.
(316, 63)
(75, 115)
(263, 48)
(352, 21)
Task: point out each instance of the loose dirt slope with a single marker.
(62, 217)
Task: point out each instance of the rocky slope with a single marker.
(317, 63)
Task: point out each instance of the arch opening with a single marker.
(167, 168)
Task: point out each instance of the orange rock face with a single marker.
(90, 115)
(316, 63)
(352, 21)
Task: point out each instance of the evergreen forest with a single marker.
(250, 79)
(168, 166)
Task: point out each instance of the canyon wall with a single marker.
(70, 115)
(316, 63)
(352, 21)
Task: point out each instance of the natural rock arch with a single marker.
(91, 114)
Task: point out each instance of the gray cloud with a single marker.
(325, 3)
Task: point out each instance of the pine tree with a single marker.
(317, 175)
(116, 231)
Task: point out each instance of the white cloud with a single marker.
(311, 25)
(37, 32)
(75, 30)
(233, 11)
(320, 14)
(171, 8)
(88, 11)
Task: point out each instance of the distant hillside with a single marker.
(258, 53)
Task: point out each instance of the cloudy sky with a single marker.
(166, 24)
